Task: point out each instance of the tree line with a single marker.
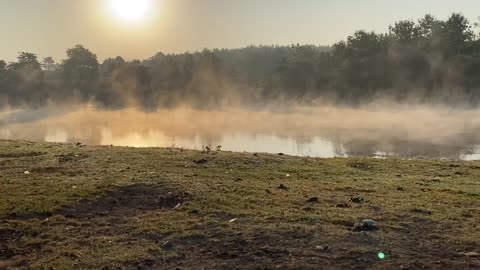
(428, 60)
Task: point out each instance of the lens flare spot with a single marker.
(381, 255)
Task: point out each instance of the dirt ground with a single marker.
(65, 206)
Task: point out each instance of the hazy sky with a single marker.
(48, 27)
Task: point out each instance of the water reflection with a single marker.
(326, 132)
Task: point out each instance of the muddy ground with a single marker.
(79, 207)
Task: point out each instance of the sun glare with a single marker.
(130, 10)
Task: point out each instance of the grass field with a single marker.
(68, 207)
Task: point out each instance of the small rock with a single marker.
(255, 155)
(343, 205)
(287, 175)
(232, 220)
(26, 172)
(436, 179)
(399, 175)
(366, 225)
(201, 161)
(357, 199)
(283, 187)
(323, 248)
(268, 191)
(471, 254)
(79, 144)
(281, 154)
(167, 245)
(313, 200)
(369, 222)
(400, 189)
(194, 212)
(177, 206)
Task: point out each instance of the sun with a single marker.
(130, 10)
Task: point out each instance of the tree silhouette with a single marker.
(80, 72)
(428, 59)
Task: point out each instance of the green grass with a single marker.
(74, 211)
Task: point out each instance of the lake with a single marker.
(324, 131)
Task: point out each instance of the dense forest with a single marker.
(429, 61)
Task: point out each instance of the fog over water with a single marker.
(381, 130)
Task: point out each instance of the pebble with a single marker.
(366, 225)
(357, 199)
(471, 254)
(167, 245)
(322, 248)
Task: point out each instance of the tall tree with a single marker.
(49, 64)
(406, 32)
(26, 78)
(457, 32)
(80, 72)
(3, 84)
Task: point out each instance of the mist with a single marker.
(329, 131)
(413, 91)
(429, 61)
